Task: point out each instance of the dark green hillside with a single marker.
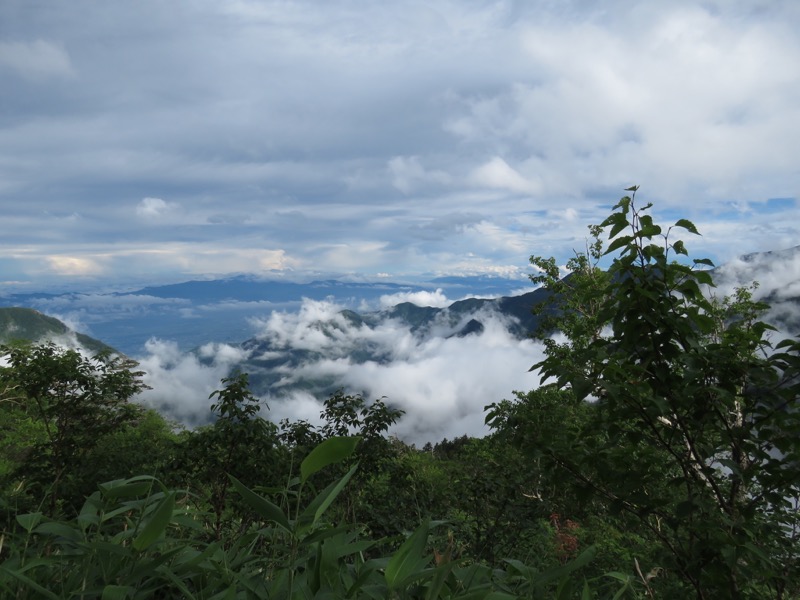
(26, 324)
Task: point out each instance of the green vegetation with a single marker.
(19, 324)
(659, 461)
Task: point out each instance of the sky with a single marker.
(159, 141)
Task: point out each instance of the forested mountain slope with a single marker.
(26, 324)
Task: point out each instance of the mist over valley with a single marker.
(440, 350)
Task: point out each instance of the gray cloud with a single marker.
(36, 60)
(242, 136)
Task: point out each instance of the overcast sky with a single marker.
(157, 140)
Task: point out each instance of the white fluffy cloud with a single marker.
(445, 384)
(408, 174)
(153, 207)
(497, 173)
(182, 382)
(442, 381)
(75, 266)
(435, 298)
(777, 274)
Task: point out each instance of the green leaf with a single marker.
(586, 594)
(649, 231)
(176, 581)
(127, 490)
(29, 520)
(619, 225)
(521, 568)
(332, 450)
(703, 261)
(156, 524)
(704, 277)
(59, 530)
(439, 580)
(689, 289)
(148, 567)
(618, 243)
(325, 498)
(555, 574)
(90, 511)
(365, 574)
(633, 188)
(624, 203)
(117, 592)
(687, 225)
(680, 248)
(405, 561)
(30, 584)
(262, 506)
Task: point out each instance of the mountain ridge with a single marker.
(19, 323)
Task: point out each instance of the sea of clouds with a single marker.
(443, 382)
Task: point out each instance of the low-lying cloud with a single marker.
(181, 382)
(441, 381)
(777, 275)
(422, 298)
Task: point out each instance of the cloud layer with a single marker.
(442, 381)
(162, 141)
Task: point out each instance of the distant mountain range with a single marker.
(195, 312)
(246, 288)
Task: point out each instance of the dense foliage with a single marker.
(660, 460)
(682, 415)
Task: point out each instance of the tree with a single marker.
(351, 415)
(77, 399)
(348, 414)
(695, 425)
(144, 446)
(240, 443)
